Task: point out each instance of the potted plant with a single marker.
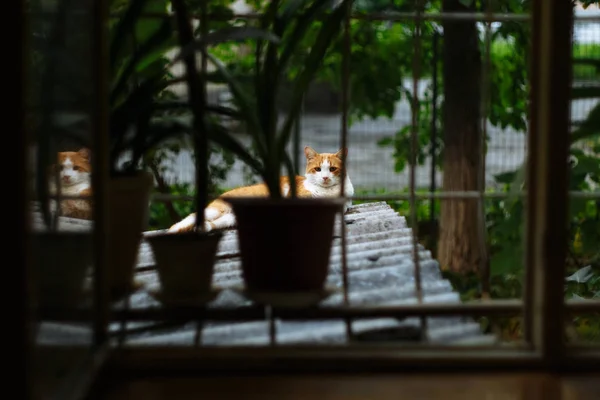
(275, 257)
(185, 261)
(140, 119)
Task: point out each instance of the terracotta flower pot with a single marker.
(128, 204)
(285, 245)
(185, 264)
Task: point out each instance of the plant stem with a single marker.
(197, 100)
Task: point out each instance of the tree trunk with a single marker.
(458, 246)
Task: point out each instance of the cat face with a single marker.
(74, 167)
(324, 169)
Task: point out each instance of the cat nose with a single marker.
(66, 178)
(325, 179)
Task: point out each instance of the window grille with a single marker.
(547, 199)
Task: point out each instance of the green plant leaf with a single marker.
(329, 29)
(581, 276)
(506, 261)
(125, 25)
(226, 35)
(221, 137)
(247, 107)
(302, 24)
(150, 49)
(590, 126)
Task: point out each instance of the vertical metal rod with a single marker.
(198, 335)
(202, 146)
(547, 177)
(201, 141)
(297, 134)
(196, 84)
(484, 264)
(123, 323)
(272, 326)
(100, 175)
(413, 160)
(346, 52)
(127, 300)
(434, 135)
(24, 384)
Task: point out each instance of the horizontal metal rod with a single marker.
(582, 306)
(311, 359)
(256, 312)
(424, 195)
(458, 195)
(378, 16)
(395, 16)
(71, 197)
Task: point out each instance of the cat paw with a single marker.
(185, 225)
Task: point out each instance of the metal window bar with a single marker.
(547, 176)
(347, 50)
(545, 235)
(453, 195)
(100, 171)
(416, 69)
(484, 264)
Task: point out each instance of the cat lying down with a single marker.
(322, 178)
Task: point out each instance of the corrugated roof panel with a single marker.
(381, 272)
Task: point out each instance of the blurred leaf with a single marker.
(582, 275)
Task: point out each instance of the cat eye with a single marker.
(318, 169)
(76, 168)
(332, 169)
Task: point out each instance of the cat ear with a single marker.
(309, 152)
(85, 153)
(342, 152)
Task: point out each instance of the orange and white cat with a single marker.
(74, 168)
(322, 178)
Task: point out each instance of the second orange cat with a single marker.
(74, 169)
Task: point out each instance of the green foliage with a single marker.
(403, 206)
(304, 32)
(159, 217)
(139, 79)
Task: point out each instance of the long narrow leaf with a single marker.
(150, 46)
(124, 27)
(217, 77)
(269, 98)
(126, 114)
(329, 29)
(246, 106)
(182, 105)
(266, 78)
(302, 24)
(221, 137)
(226, 35)
(290, 10)
(590, 126)
(161, 131)
(291, 174)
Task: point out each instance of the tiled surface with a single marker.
(381, 271)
